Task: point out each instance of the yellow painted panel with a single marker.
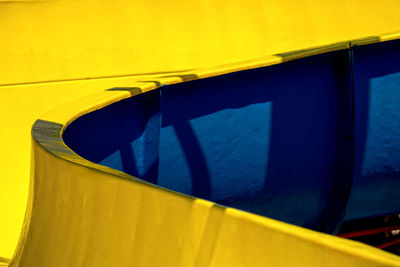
(20, 106)
(66, 39)
(85, 217)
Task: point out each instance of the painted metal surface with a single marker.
(184, 231)
(56, 52)
(236, 138)
(63, 40)
(231, 139)
(377, 130)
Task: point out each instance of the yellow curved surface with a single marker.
(54, 52)
(82, 214)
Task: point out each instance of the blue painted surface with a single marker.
(123, 136)
(261, 142)
(276, 141)
(376, 188)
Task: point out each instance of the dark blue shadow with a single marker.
(123, 136)
(276, 141)
(376, 188)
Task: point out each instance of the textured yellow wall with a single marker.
(57, 40)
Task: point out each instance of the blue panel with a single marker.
(274, 141)
(377, 131)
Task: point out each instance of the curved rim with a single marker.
(47, 131)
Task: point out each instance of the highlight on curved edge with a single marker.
(290, 159)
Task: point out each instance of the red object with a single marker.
(370, 231)
(390, 243)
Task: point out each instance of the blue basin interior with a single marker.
(311, 142)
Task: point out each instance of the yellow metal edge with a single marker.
(375, 39)
(268, 60)
(344, 245)
(48, 135)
